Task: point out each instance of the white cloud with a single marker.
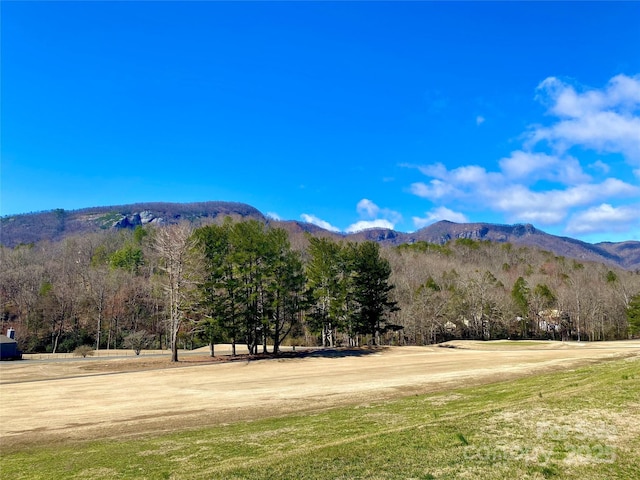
(573, 195)
(436, 170)
(376, 218)
(471, 174)
(604, 218)
(273, 216)
(540, 182)
(319, 222)
(480, 120)
(391, 215)
(436, 189)
(605, 120)
(601, 166)
(570, 172)
(453, 183)
(552, 206)
(522, 164)
(367, 208)
(621, 92)
(520, 201)
(367, 224)
(530, 167)
(437, 214)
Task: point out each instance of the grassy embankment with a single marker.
(582, 424)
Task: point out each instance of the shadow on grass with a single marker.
(306, 353)
(344, 352)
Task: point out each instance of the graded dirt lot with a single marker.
(42, 401)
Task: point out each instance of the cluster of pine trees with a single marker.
(256, 284)
(256, 289)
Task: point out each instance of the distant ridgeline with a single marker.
(55, 225)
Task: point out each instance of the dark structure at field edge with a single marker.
(9, 347)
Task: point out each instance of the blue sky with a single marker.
(345, 114)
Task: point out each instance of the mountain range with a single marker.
(57, 224)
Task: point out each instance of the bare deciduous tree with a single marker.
(175, 248)
(138, 341)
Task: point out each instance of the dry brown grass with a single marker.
(115, 398)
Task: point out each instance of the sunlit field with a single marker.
(575, 422)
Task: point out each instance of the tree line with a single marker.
(482, 290)
(236, 282)
(254, 283)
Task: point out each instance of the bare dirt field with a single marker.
(42, 401)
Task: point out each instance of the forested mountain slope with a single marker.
(57, 224)
(260, 279)
(625, 255)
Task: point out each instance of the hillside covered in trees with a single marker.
(58, 224)
(267, 283)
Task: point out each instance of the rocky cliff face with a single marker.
(624, 254)
(120, 220)
(56, 224)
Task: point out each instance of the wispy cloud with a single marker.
(604, 120)
(319, 222)
(367, 224)
(541, 182)
(367, 207)
(273, 216)
(530, 166)
(373, 217)
(604, 218)
(518, 201)
(480, 120)
(600, 166)
(434, 190)
(437, 214)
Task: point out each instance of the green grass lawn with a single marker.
(582, 424)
